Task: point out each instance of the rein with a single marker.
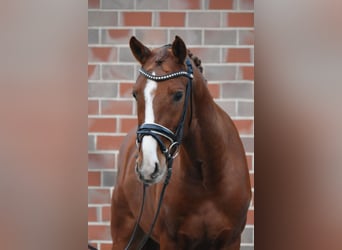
(156, 131)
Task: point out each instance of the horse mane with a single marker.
(196, 60)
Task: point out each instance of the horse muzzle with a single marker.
(150, 177)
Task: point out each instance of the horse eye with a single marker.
(177, 96)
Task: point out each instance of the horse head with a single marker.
(161, 91)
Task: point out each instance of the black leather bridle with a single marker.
(157, 131)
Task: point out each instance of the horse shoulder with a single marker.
(126, 183)
(205, 223)
(126, 155)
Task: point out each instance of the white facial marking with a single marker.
(149, 90)
(149, 145)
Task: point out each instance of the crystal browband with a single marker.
(165, 77)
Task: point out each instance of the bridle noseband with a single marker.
(156, 130)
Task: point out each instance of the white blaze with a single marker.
(149, 145)
(149, 91)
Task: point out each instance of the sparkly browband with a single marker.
(165, 77)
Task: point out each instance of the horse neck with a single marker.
(204, 137)
(206, 114)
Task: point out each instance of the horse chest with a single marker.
(202, 223)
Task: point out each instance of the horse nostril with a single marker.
(156, 170)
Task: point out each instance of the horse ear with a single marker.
(140, 51)
(179, 49)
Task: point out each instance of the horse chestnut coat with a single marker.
(206, 201)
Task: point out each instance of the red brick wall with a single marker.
(220, 32)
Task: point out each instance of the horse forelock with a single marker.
(163, 53)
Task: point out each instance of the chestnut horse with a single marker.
(180, 128)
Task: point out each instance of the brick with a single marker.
(242, 247)
(102, 54)
(106, 246)
(172, 19)
(250, 162)
(250, 217)
(91, 142)
(94, 179)
(238, 90)
(117, 107)
(136, 19)
(244, 126)
(214, 90)
(220, 37)
(220, 72)
(240, 20)
(93, 72)
(101, 125)
(100, 18)
(219, 4)
(247, 235)
(109, 142)
(99, 232)
(93, 4)
(92, 214)
(102, 89)
(190, 37)
(101, 161)
(248, 144)
(207, 55)
(251, 179)
(252, 55)
(118, 72)
(106, 213)
(245, 108)
(246, 4)
(116, 36)
(228, 106)
(93, 36)
(125, 55)
(152, 5)
(203, 19)
(127, 124)
(152, 37)
(246, 37)
(98, 196)
(117, 4)
(184, 5)
(93, 107)
(246, 73)
(125, 89)
(108, 178)
(252, 200)
(238, 55)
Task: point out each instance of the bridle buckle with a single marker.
(174, 149)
